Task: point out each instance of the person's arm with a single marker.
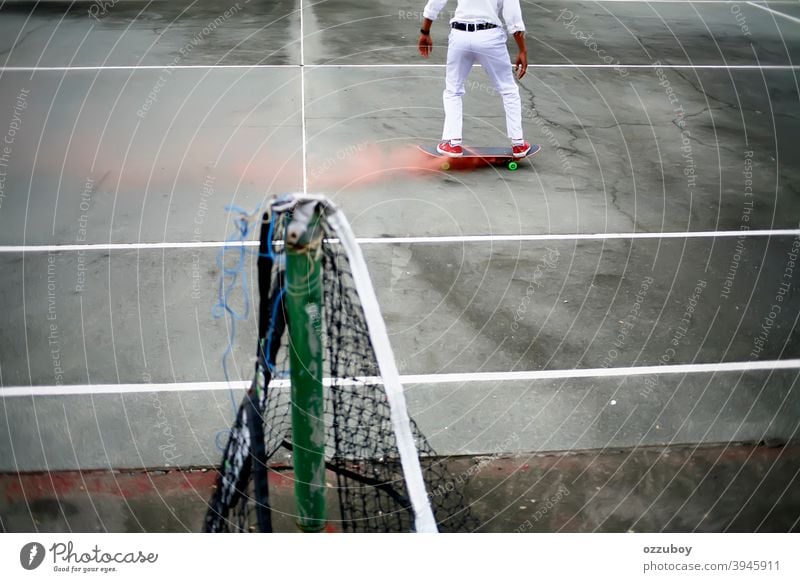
(521, 64)
(425, 43)
(431, 12)
(512, 16)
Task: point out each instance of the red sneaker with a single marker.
(448, 149)
(520, 151)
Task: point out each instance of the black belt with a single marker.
(472, 27)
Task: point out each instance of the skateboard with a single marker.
(474, 156)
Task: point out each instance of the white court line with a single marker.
(768, 9)
(677, 1)
(85, 389)
(680, 1)
(12, 69)
(467, 239)
(577, 66)
(404, 66)
(570, 236)
(303, 98)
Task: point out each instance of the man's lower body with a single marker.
(489, 49)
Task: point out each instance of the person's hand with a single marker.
(425, 45)
(521, 64)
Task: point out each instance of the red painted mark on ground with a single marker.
(128, 484)
(135, 484)
(33, 486)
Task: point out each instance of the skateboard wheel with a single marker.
(445, 166)
(512, 166)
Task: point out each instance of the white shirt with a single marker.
(481, 11)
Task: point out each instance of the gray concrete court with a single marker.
(112, 431)
(613, 158)
(157, 33)
(138, 32)
(154, 154)
(449, 308)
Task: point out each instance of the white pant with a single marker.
(488, 47)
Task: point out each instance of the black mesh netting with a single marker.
(361, 455)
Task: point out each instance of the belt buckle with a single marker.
(472, 27)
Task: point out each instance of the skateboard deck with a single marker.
(480, 155)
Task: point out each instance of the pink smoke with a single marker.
(365, 165)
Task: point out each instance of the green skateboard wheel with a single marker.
(512, 166)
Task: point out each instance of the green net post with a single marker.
(304, 310)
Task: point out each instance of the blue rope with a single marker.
(231, 279)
